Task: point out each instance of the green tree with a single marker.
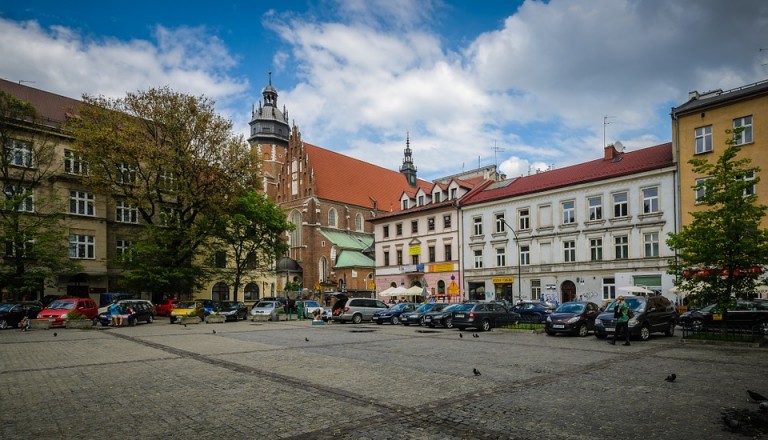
(253, 233)
(722, 251)
(173, 159)
(36, 248)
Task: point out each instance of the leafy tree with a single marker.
(36, 248)
(720, 254)
(252, 231)
(174, 160)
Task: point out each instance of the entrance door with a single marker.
(568, 290)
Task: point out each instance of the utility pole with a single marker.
(518, 281)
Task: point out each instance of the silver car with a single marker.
(310, 307)
(266, 308)
(357, 309)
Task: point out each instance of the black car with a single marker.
(233, 310)
(746, 314)
(393, 313)
(533, 311)
(483, 316)
(443, 318)
(135, 309)
(653, 314)
(416, 317)
(11, 313)
(575, 317)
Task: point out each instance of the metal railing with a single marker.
(716, 331)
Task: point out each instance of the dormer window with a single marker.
(436, 197)
(405, 203)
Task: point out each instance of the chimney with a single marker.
(610, 152)
(693, 95)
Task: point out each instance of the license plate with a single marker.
(459, 315)
(610, 329)
(558, 326)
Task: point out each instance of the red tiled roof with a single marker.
(659, 156)
(348, 180)
(50, 106)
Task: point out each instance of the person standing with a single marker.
(621, 313)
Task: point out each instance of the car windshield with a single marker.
(265, 305)
(185, 305)
(62, 305)
(399, 307)
(228, 305)
(452, 307)
(633, 303)
(461, 307)
(570, 308)
(425, 308)
(6, 307)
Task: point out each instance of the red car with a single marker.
(165, 307)
(57, 311)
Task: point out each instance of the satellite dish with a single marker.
(618, 146)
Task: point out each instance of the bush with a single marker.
(76, 316)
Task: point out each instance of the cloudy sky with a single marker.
(526, 85)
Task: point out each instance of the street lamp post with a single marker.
(519, 254)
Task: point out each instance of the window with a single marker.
(81, 203)
(447, 221)
(74, 163)
(124, 250)
(420, 201)
(651, 241)
(620, 205)
(414, 227)
(569, 212)
(650, 200)
(414, 259)
(332, 218)
(453, 193)
(431, 250)
(82, 246)
(386, 231)
(405, 204)
(595, 208)
(596, 249)
(478, 259)
(431, 224)
(12, 250)
(17, 198)
(167, 181)
(220, 259)
(18, 153)
(622, 247)
(500, 222)
(525, 255)
(609, 288)
(478, 225)
(295, 235)
(168, 216)
(358, 223)
(399, 229)
(701, 188)
(386, 258)
(501, 257)
(251, 292)
(749, 176)
(436, 197)
(536, 289)
(399, 253)
(126, 174)
(524, 219)
(569, 251)
(125, 213)
(745, 123)
(703, 139)
(448, 252)
(252, 261)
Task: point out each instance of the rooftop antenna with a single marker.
(605, 123)
(495, 157)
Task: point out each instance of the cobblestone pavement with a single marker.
(294, 380)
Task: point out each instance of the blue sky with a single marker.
(533, 79)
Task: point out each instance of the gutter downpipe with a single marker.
(677, 193)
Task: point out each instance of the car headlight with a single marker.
(573, 320)
(549, 319)
(64, 316)
(598, 322)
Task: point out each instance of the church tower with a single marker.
(269, 137)
(408, 168)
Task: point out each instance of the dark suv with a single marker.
(747, 314)
(653, 314)
(483, 316)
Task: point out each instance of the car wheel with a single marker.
(421, 322)
(583, 330)
(485, 325)
(645, 332)
(697, 325)
(762, 328)
(395, 320)
(538, 318)
(3, 324)
(448, 323)
(172, 321)
(357, 319)
(670, 331)
(151, 319)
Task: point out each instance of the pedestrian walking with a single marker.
(621, 314)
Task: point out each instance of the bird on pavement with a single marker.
(475, 335)
(214, 331)
(476, 373)
(731, 423)
(460, 335)
(185, 325)
(671, 377)
(306, 339)
(764, 406)
(757, 397)
(55, 334)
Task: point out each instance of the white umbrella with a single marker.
(635, 289)
(394, 291)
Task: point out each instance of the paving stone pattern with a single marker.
(293, 380)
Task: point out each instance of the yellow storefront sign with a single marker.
(414, 250)
(503, 280)
(441, 267)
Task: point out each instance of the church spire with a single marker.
(408, 168)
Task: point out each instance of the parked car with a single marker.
(483, 316)
(47, 299)
(392, 314)
(187, 308)
(233, 310)
(746, 314)
(310, 307)
(135, 309)
(165, 307)
(267, 308)
(443, 317)
(210, 306)
(57, 311)
(653, 314)
(357, 310)
(575, 317)
(11, 313)
(533, 311)
(416, 317)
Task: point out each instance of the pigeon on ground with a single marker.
(306, 339)
(475, 335)
(185, 325)
(461, 335)
(731, 423)
(757, 397)
(671, 377)
(764, 406)
(474, 370)
(214, 331)
(55, 334)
